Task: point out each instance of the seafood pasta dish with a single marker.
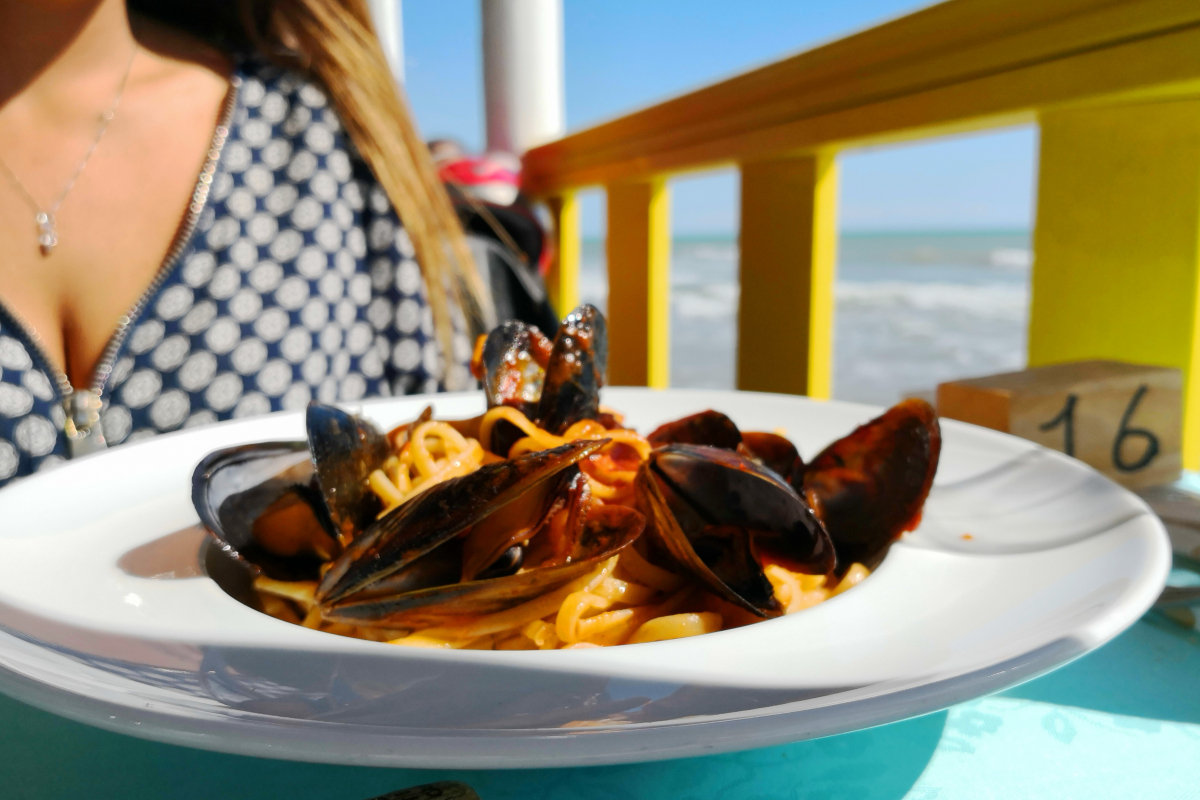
(546, 523)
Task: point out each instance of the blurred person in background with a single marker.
(198, 221)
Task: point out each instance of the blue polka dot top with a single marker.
(291, 279)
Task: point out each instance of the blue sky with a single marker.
(625, 54)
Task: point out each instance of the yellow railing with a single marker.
(1113, 84)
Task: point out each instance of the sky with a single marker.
(622, 55)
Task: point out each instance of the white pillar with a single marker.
(389, 26)
(522, 72)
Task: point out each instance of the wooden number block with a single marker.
(1123, 419)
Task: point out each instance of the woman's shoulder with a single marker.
(269, 86)
(294, 105)
(285, 121)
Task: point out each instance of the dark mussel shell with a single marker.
(714, 429)
(260, 503)
(775, 452)
(576, 371)
(346, 449)
(709, 428)
(607, 531)
(514, 523)
(555, 545)
(438, 515)
(869, 487)
(515, 356)
(713, 511)
(439, 567)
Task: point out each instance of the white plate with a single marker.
(1059, 561)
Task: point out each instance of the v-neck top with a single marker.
(297, 281)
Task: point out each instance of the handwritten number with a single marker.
(1066, 418)
(1125, 431)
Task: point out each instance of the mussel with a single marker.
(606, 531)
(345, 449)
(514, 361)
(714, 429)
(445, 511)
(397, 573)
(554, 384)
(709, 428)
(286, 507)
(720, 515)
(773, 451)
(869, 487)
(262, 505)
(576, 371)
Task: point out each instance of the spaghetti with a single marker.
(433, 453)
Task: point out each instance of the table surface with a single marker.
(1122, 722)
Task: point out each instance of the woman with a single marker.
(196, 222)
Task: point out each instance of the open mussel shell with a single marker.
(713, 512)
(260, 503)
(576, 371)
(869, 487)
(440, 514)
(606, 532)
(345, 449)
(515, 356)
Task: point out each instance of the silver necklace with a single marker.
(46, 226)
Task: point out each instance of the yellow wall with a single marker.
(1117, 242)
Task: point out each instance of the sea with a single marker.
(913, 309)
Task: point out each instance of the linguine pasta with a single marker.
(433, 453)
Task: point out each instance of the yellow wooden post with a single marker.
(788, 249)
(1117, 243)
(639, 284)
(562, 283)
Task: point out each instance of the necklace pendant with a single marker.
(47, 233)
(85, 433)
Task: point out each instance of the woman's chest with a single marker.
(114, 220)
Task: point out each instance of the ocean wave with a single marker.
(1014, 258)
(989, 299)
(708, 251)
(719, 300)
(714, 301)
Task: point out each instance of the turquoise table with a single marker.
(1122, 722)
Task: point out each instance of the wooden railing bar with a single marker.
(1009, 76)
(639, 283)
(787, 254)
(562, 283)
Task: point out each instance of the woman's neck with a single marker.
(50, 51)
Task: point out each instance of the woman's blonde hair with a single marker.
(334, 42)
